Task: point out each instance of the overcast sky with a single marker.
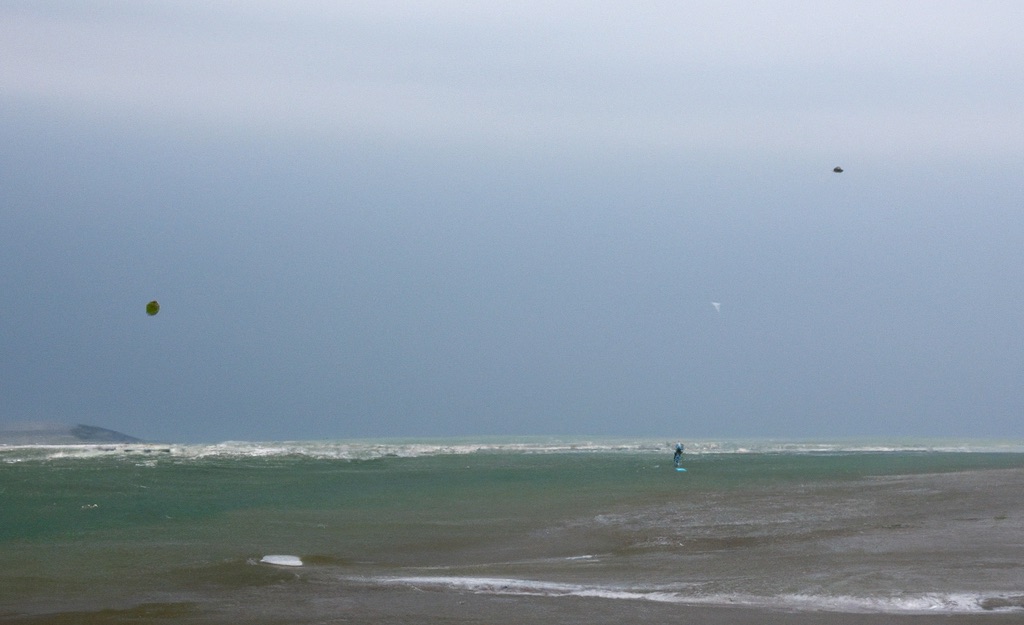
(441, 218)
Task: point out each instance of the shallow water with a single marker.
(897, 529)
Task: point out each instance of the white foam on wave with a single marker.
(331, 450)
(690, 595)
(12, 454)
(377, 449)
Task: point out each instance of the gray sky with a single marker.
(446, 218)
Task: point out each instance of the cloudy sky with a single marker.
(443, 218)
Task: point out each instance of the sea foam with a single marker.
(377, 449)
(932, 603)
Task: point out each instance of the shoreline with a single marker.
(412, 605)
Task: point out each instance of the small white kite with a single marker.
(718, 306)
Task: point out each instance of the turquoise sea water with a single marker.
(841, 526)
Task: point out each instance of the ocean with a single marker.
(513, 531)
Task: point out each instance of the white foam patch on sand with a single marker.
(282, 560)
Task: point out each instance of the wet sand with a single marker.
(405, 606)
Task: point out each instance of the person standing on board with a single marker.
(678, 458)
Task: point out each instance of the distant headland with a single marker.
(26, 433)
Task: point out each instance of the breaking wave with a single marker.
(376, 449)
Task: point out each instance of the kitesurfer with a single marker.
(678, 457)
